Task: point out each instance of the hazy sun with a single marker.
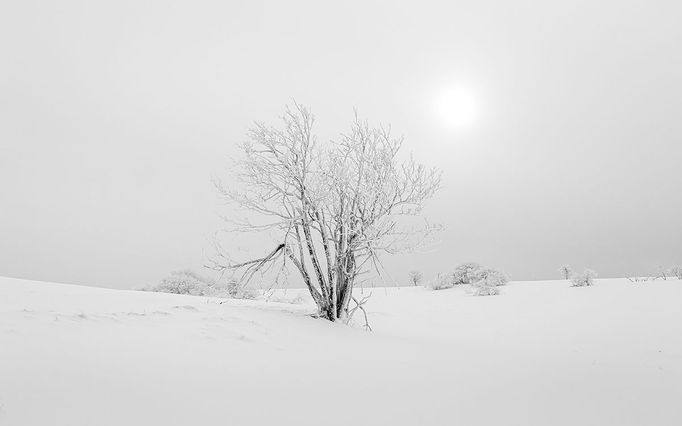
(456, 107)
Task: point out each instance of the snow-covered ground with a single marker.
(541, 353)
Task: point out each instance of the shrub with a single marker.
(441, 282)
(236, 291)
(662, 273)
(487, 281)
(585, 279)
(466, 273)
(565, 271)
(492, 277)
(481, 288)
(470, 273)
(676, 271)
(189, 282)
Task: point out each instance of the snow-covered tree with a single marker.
(334, 208)
(565, 271)
(415, 277)
(466, 273)
(586, 278)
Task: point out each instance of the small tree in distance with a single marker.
(415, 277)
(333, 208)
(565, 271)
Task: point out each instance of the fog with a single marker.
(115, 115)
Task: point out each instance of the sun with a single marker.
(456, 107)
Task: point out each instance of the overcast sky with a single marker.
(114, 115)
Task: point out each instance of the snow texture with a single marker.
(541, 353)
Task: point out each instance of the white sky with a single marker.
(114, 115)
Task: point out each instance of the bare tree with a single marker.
(415, 277)
(334, 208)
(565, 271)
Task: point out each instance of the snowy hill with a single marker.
(541, 353)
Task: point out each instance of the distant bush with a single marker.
(481, 278)
(440, 282)
(492, 277)
(565, 271)
(487, 281)
(236, 291)
(585, 279)
(189, 282)
(466, 273)
(676, 271)
(483, 288)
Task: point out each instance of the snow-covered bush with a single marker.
(484, 288)
(466, 273)
(492, 277)
(487, 280)
(676, 271)
(470, 273)
(565, 271)
(440, 282)
(189, 282)
(585, 279)
(236, 291)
